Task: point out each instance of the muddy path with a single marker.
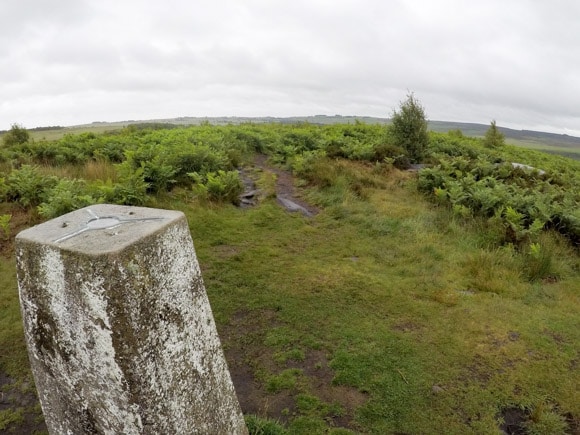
(244, 335)
(286, 193)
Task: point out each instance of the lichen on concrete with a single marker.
(124, 341)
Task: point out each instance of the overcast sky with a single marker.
(68, 62)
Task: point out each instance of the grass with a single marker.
(10, 416)
(436, 332)
(13, 356)
(401, 306)
(55, 134)
(570, 151)
(92, 170)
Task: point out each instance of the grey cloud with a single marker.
(465, 60)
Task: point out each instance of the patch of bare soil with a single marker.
(246, 355)
(514, 420)
(249, 359)
(315, 367)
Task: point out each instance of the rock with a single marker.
(437, 389)
(250, 194)
(292, 206)
(527, 167)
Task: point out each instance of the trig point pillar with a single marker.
(119, 329)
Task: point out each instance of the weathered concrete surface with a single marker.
(119, 328)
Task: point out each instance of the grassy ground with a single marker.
(56, 134)
(572, 152)
(441, 335)
(381, 314)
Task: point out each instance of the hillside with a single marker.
(560, 144)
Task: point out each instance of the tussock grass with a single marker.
(99, 170)
(92, 170)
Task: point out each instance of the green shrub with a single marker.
(524, 202)
(538, 263)
(4, 189)
(409, 128)
(392, 154)
(5, 224)
(111, 151)
(15, 136)
(224, 186)
(199, 159)
(318, 171)
(249, 139)
(300, 140)
(131, 189)
(493, 137)
(303, 164)
(220, 186)
(158, 175)
(27, 186)
(105, 191)
(66, 196)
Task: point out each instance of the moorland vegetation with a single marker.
(442, 300)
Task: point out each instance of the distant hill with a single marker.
(561, 144)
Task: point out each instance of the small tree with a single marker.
(16, 135)
(409, 128)
(493, 137)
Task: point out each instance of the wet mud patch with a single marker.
(514, 420)
(320, 376)
(246, 355)
(252, 363)
(517, 420)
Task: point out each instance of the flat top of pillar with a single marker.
(100, 228)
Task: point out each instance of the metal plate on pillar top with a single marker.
(101, 228)
(103, 223)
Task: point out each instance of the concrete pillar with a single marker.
(119, 329)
